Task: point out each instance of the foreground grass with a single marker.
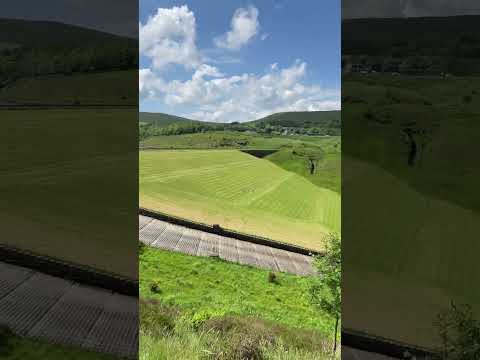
(238, 191)
(168, 333)
(17, 348)
(206, 287)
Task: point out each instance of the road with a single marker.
(163, 235)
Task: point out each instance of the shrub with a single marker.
(467, 99)
(155, 287)
(272, 278)
(156, 318)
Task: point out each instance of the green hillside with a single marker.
(412, 162)
(240, 192)
(330, 120)
(162, 120)
(39, 48)
(111, 87)
(432, 44)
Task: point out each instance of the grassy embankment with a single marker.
(417, 257)
(211, 309)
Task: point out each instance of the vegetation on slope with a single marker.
(193, 306)
(98, 88)
(446, 44)
(34, 48)
(79, 159)
(291, 123)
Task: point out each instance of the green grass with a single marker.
(421, 252)
(240, 192)
(71, 196)
(211, 287)
(17, 348)
(208, 308)
(328, 171)
(231, 139)
(114, 87)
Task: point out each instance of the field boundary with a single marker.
(370, 343)
(213, 229)
(75, 272)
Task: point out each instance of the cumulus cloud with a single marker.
(243, 97)
(244, 26)
(168, 37)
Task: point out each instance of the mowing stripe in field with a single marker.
(49, 308)
(240, 192)
(195, 242)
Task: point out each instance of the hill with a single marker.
(444, 44)
(289, 123)
(162, 120)
(33, 48)
(303, 119)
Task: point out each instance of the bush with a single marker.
(155, 318)
(272, 278)
(155, 287)
(467, 99)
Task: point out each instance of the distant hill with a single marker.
(162, 120)
(305, 119)
(49, 34)
(39, 48)
(430, 35)
(287, 123)
(444, 44)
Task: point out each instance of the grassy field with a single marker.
(233, 139)
(421, 252)
(240, 192)
(204, 305)
(79, 192)
(328, 171)
(114, 87)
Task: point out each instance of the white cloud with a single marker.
(244, 26)
(244, 97)
(264, 36)
(168, 37)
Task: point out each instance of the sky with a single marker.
(408, 8)
(227, 61)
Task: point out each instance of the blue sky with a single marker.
(231, 60)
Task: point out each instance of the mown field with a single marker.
(240, 192)
(329, 164)
(111, 87)
(65, 180)
(208, 306)
(415, 248)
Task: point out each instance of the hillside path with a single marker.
(163, 235)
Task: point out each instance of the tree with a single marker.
(326, 293)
